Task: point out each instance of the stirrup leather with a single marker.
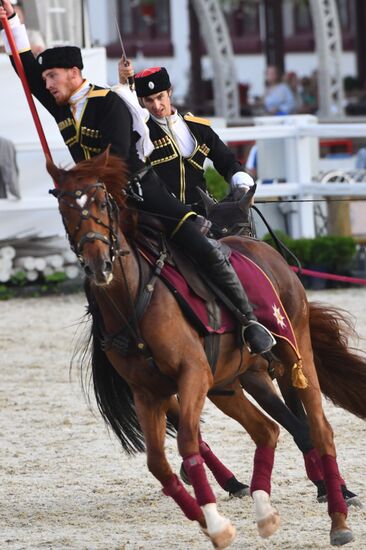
(271, 340)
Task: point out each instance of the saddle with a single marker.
(151, 234)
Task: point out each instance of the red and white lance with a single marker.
(23, 77)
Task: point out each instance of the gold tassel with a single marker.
(298, 377)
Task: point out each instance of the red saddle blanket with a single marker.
(262, 295)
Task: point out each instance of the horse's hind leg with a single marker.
(292, 416)
(322, 435)
(224, 477)
(312, 460)
(264, 433)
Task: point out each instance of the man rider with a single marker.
(90, 118)
(181, 143)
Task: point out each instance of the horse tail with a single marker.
(113, 395)
(341, 369)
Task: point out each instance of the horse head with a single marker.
(230, 216)
(89, 212)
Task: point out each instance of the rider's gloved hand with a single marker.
(125, 70)
(240, 184)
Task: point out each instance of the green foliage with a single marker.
(45, 285)
(333, 253)
(57, 277)
(216, 184)
(5, 293)
(19, 278)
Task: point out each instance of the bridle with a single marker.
(84, 206)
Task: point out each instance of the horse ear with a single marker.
(101, 160)
(53, 171)
(246, 200)
(207, 201)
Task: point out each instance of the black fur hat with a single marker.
(63, 57)
(152, 81)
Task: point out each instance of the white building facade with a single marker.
(163, 39)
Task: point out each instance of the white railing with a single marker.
(288, 148)
(291, 151)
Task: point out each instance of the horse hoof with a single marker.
(322, 498)
(351, 498)
(224, 538)
(243, 492)
(269, 525)
(355, 501)
(236, 489)
(183, 475)
(340, 537)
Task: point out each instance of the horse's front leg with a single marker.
(322, 435)
(151, 412)
(194, 381)
(224, 477)
(264, 433)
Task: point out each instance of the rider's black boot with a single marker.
(255, 335)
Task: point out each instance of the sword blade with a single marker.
(131, 79)
(120, 38)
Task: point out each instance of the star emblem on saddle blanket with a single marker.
(278, 316)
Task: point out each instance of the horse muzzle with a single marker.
(100, 274)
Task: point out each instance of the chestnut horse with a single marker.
(134, 394)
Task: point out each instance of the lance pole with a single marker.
(23, 77)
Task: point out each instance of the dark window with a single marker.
(145, 28)
(303, 38)
(242, 17)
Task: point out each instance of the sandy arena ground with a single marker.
(65, 483)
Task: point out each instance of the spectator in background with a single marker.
(292, 80)
(279, 98)
(309, 95)
(361, 159)
(251, 165)
(9, 173)
(36, 40)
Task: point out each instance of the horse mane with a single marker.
(112, 171)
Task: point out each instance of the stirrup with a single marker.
(262, 347)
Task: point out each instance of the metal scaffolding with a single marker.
(215, 34)
(329, 50)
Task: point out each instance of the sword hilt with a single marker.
(130, 79)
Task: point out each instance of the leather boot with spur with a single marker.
(255, 336)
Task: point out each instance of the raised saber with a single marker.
(131, 79)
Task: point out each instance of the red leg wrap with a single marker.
(193, 465)
(332, 478)
(313, 465)
(174, 488)
(220, 472)
(262, 470)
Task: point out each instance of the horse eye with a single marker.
(103, 205)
